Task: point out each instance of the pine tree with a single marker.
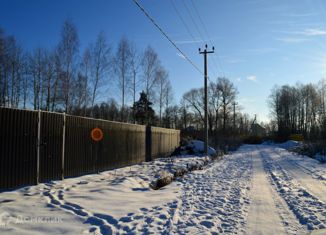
(144, 113)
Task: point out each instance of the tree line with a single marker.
(83, 83)
(104, 82)
(227, 123)
(299, 109)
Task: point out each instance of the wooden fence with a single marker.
(37, 146)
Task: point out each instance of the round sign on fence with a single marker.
(97, 134)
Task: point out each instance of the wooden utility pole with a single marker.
(234, 115)
(205, 52)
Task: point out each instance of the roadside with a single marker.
(258, 189)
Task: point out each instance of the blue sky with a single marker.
(258, 43)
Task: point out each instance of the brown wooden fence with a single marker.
(162, 141)
(37, 146)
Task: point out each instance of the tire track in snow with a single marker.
(289, 223)
(262, 203)
(303, 175)
(309, 210)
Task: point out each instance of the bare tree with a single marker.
(67, 53)
(37, 70)
(10, 74)
(100, 54)
(13, 71)
(25, 81)
(150, 64)
(195, 101)
(162, 81)
(122, 68)
(56, 92)
(49, 74)
(134, 66)
(85, 72)
(214, 102)
(184, 114)
(228, 94)
(79, 87)
(2, 68)
(168, 98)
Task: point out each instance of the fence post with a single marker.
(38, 147)
(148, 143)
(63, 146)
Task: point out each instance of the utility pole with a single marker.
(234, 133)
(234, 104)
(205, 52)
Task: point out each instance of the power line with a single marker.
(197, 29)
(183, 22)
(166, 36)
(218, 63)
(193, 20)
(186, 26)
(200, 19)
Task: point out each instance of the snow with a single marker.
(216, 199)
(286, 145)
(309, 209)
(197, 147)
(259, 189)
(92, 203)
(320, 157)
(262, 203)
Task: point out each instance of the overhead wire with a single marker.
(192, 19)
(166, 36)
(218, 63)
(184, 23)
(198, 31)
(186, 26)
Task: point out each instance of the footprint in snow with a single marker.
(125, 219)
(207, 224)
(8, 200)
(143, 209)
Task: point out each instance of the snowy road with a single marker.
(262, 203)
(256, 190)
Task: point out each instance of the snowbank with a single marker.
(286, 145)
(195, 147)
(164, 178)
(289, 144)
(321, 158)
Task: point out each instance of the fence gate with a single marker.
(51, 140)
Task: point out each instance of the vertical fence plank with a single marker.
(149, 143)
(50, 146)
(38, 147)
(63, 146)
(2, 150)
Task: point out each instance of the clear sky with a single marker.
(258, 43)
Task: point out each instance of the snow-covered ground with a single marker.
(259, 189)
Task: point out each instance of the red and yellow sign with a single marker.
(97, 134)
